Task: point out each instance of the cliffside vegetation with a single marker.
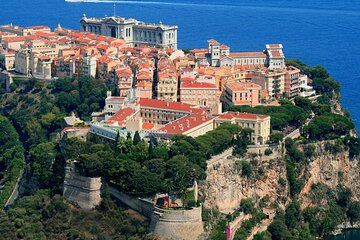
(43, 217)
(327, 135)
(36, 110)
(11, 159)
(143, 169)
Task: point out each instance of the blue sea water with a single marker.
(324, 32)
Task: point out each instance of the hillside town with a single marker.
(114, 132)
(160, 91)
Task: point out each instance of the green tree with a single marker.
(41, 158)
(137, 138)
(247, 206)
(276, 137)
(278, 229)
(354, 212)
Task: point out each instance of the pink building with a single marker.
(241, 93)
(202, 94)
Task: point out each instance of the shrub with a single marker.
(191, 203)
(268, 152)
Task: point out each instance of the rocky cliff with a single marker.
(226, 184)
(331, 169)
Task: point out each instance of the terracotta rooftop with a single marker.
(186, 123)
(238, 86)
(198, 85)
(175, 106)
(275, 53)
(247, 54)
(275, 45)
(37, 27)
(148, 126)
(117, 98)
(120, 116)
(238, 115)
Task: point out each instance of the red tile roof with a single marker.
(198, 85)
(186, 123)
(275, 53)
(274, 45)
(238, 86)
(199, 50)
(120, 116)
(247, 54)
(148, 126)
(117, 98)
(186, 79)
(238, 115)
(175, 106)
(37, 27)
(14, 39)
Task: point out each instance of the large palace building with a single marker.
(134, 32)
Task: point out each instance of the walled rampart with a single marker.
(84, 191)
(177, 224)
(166, 223)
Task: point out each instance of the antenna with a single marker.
(114, 9)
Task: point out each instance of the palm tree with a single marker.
(182, 188)
(168, 186)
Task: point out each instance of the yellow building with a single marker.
(260, 124)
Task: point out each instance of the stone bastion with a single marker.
(177, 224)
(83, 191)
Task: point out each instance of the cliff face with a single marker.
(225, 185)
(331, 170)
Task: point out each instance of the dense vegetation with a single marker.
(281, 116)
(143, 169)
(43, 217)
(36, 110)
(11, 159)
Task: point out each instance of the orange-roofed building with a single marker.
(202, 94)
(241, 93)
(7, 59)
(119, 118)
(13, 43)
(36, 29)
(167, 85)
(105, 67)
(124, 78)
(260, 124)
(292, 81)
(193, 125)
(162, 112)
(144, 90)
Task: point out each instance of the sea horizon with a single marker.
(313, 34)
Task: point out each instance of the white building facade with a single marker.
(134, 32)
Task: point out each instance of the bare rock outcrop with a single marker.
(225, 186)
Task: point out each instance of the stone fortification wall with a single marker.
(140, 205)
(84, 191)
(177, 224)
(166, 223)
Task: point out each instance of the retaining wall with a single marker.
(84, 191)
(177, 224)
(166, 223)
